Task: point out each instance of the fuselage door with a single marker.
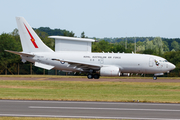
(150, 62)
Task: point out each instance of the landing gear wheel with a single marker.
(154, 78)
(90, 76)
(96, 76)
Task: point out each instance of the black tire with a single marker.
(90, 76)
(154, 78)
(96, 76)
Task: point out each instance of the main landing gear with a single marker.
(91, 76)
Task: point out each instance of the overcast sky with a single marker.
(97, 18)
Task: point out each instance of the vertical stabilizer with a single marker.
(30, 41)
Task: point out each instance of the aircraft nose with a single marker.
(172, 66)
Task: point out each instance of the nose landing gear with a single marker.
(154, 78)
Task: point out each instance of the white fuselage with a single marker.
(128, 63)
(74, 55)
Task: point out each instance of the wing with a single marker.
(81, 66)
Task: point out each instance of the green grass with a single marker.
(90, 91)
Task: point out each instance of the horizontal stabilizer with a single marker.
(20, 53)
(45, 66)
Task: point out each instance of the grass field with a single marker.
(90, 91)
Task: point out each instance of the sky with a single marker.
(97, 18)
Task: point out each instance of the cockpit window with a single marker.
(163, 61)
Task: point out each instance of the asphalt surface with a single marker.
(75, 109)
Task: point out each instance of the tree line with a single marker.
(11, 64)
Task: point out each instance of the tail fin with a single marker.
(30, 41)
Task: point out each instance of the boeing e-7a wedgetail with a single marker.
(74, 55)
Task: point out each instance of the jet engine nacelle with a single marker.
(110, 71)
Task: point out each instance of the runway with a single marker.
(73, 109)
